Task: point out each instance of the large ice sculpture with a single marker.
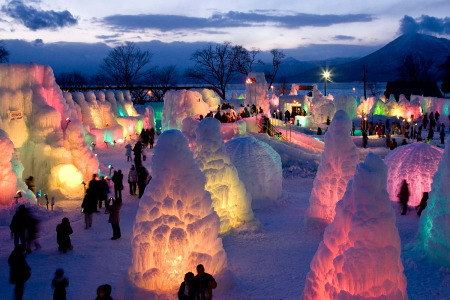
(179, 105)
(8, 177)
(359, 257)
(259, 167)
(434, 225)
(417, 163)
(346, 103)
(176, 227)
(34, 114)
(336, 168)
(230, 199)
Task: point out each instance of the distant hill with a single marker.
(383, 64)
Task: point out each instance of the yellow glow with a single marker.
(326, 74)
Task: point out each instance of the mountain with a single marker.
(383, 64)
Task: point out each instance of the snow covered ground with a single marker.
(270, 263)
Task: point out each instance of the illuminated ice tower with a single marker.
(434, 226)
(359, 257)
(176, 227)
(337, 167)
(230, 199)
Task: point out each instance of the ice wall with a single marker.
(259, 167)
(179, 105)
(417, 163)
(336, 168)
(210, 97)
(176, 227)
(33, 113)
(434, 225)
(230, 199)
(256, 91)
(321, 109)
(8, 178)
(359, 257)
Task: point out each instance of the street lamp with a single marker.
(326, 76)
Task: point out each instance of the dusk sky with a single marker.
(251, 23)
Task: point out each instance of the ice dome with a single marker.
(259, 167)
(176, 227)
(359, 257)
(434, 225)
(417, 163)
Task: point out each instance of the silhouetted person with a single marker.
(393, 144)
(143, 179)
(442, 136)
(104, 292)
(59, 284)
(18, 225)
(204, 284)
(137, 150)
(187, 288)
(117, 179)
(365, 139)
(32, 234)
(88, 207)
(19, 271)
(423, 203)
(403, 196)
(132, 180)
(114, 206)
(63, 232)
(128, 152)
(30, 184)
(319, 131)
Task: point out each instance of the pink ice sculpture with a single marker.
(359, 257)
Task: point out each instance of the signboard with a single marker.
(15, 115)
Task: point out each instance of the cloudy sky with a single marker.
(251, 23)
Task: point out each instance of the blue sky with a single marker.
(251, 23)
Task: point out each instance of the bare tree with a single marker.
(161, 79)
(4, 54)
(248, 59)
(216, 65)
(277, 59)
(125, 64)
(72, 80)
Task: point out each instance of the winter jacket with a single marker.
(133, 175)
(114, 209)
(19, 271)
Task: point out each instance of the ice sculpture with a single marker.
(179, 105)
(230, 199)
(36, 116)
(8, 178)
(359, 257)
(434, 225)
(346, 103)
(176, 227)
(259, 167)
(417, 163)
(256, 91)
(336, 168)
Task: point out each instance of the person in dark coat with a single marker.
(59, 284)
(128, 151)
(19, 270)
(63, 232)
(132, 180)
(403, 196)
(103, 191)
(32, 235)
(393, 144)
(117, 179)
(88, 207)
(114, 206)
(104, 292)
(365, 139)
(19, 225)
(204, 284)
(187, 291)
(319, 131)
(442, 136)
(423, 203)
(143, 179)
(137, 150)
(94, 187)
